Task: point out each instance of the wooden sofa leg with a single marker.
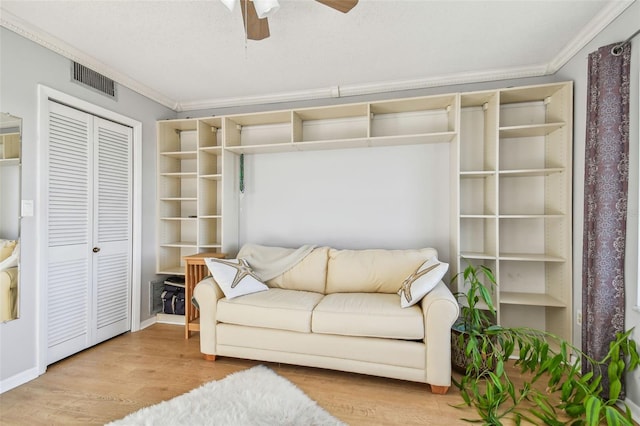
(439, 390)
(209, 357)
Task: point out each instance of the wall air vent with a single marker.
(93, 79)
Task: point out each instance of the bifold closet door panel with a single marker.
(112, 229)
(69, 292)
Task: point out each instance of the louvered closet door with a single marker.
(112, 229)
(88, 231)
(68, 220)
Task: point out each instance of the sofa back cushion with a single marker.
(372, 271)
(310, 274)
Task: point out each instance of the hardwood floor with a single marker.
(136, 370)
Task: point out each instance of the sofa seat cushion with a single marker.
(368, 315)
(274, 308)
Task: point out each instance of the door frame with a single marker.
(45, 94)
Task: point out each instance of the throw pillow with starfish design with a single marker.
(235, 277)
(421, 282)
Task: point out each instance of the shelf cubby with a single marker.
(178, 233)
(209, 133)
(209, 233)
(210, 202)
(414, 116)
(533, 235)
(170, 135)
(478, 237)
(177, 185)
(210, 163)
(340, 124)
(170, 259)
(478, 193)
(260, 132)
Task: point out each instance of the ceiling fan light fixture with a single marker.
(265, 8)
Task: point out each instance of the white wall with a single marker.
(24, 65)
(356, 198)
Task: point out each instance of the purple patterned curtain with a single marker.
(605, 200)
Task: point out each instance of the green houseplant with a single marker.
(477, 314)
(553, 391)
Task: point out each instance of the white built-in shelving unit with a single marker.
(515, 200)
(510, 171)
(190, 188)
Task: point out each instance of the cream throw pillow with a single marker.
(234, 277)
(422, 281)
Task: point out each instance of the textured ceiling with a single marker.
(193, 54)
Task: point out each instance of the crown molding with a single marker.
(595, 26)
(369, 88)
(607, 15)
(301, 95)
(44, 39)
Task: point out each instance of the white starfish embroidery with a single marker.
(406, 284)
(242, 270)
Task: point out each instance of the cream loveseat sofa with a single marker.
(336, 309)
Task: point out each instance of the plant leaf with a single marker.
(612, 416)
(499, 367)
(615, 387)
(575, 410)
(567, 387)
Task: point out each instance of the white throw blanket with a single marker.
(269, 262)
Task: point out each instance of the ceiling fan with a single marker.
(256, 12)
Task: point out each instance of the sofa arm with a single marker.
(440, 310)
(207, 293)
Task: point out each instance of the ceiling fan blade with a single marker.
(256, 28)
(342, 5)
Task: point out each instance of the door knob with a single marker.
(96, 249)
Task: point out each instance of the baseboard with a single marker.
(148, 322)
(635, 409)
(163, 319)
(18, 379)
(170, 319)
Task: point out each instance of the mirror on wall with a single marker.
(10, 153)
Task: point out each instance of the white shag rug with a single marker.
(256, 396)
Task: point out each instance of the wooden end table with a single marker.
(195, 271)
